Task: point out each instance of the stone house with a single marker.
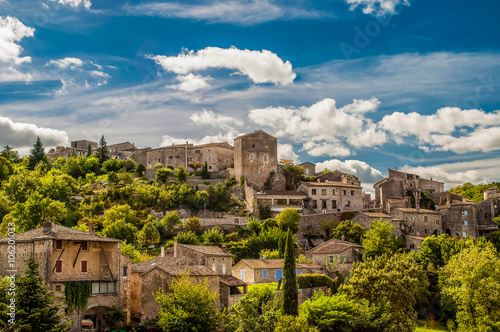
(121, 151)
(398, 184)
(365, 220)
(459, 219)
(255, 271)
(419, 222)
(338, 176)
(309, 168)
(325, 197)
(489, 208)
(160, 276)
(413, 242)
(336, 252)
(231, 290)
(67, 255)
(255, 158)
(278, 200)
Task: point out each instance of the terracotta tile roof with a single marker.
(306, 163)
(282, 193)
(231, 281)
(374, 214)
(194, 270)
(333, 246)
(411, 210)
(416, 237)
(207, 250)
(394, 200)
(329, 184)
(59, 232)
(224, 145)
(159, 261)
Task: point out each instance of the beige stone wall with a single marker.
(456, 217)
(41, 249)
(249, 272)
(346, 198)
(135, 296)
(345, 260)
(421, 223)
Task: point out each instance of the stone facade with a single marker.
(254, 271)
(279, 200)
(255, 158)
(309, 168)
(67, 255)
(459, 219)
(365, 219)
(413, 242)
(331, 197)
(420, 222)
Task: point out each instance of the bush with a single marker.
(316, 280)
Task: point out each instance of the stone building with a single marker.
(398, 186)
(336, 254)
(365, 220)
(254, 271)
(255, 158)
(419, 222)
(459, 219)
(67, 255)
(338, 176)
(121, 151)
(309, 168)
(76, 149)
(413, 242)
(218, 156)
(489, 208)
(325, 197)
(278, 200)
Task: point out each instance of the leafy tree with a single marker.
(265, 212)
(181, 175)
(132, 252)
(102, 152)
(254, 226)
(37, 154)
(494, 237)
(120, 230)
(293, 324)
(6, 168)
(293, 176)
(149, 235)
(35, 310)
(195, 166)
(193, 224)
(392, 286)
(187, 237)
(288, 219)
(473, 192)
(113, 178)
(9, 154)
(328, 226)
(269, 223)
(471, 280)
(162, 175)
(204, 172)
(141, 169)
(290, 288)
(158, 166)
(270, 254)
(201, 199)
(89, 150)
(112, 165)
(350, 231)
(188, 307)
(379, 240)
(213, 237)
(330, 313)
(438, 250)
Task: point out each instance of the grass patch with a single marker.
(424, 326)
(273, 284)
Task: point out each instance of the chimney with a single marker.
(342, 237)
(262, 257)
(224, 247)
(163, 251)
(47, 226)
(91, 227)
(175, 247)
(396, 168)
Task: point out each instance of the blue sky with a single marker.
(357, 85)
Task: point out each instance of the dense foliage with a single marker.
(473, 192)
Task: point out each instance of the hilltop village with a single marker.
(262, 188)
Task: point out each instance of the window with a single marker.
(464, 234)
(170, 157)
(352, 192)
(177, 157)
(251, 156)
(437, 221)
(333, 192)
(159, 159)
(465, 222)
(58, 288)
(323, 204)
(83, 266)
(426, 231)
(266, 146)
(59, 266)
(465, 213)
(315, 204)
(323, 191)
(242, 275)
(347, 203)
(411, 218)
(223, 269)
(58, 244)
(209, 167)
(313, 192)
(425, 218)
(264, 273)
(334, 204)
(214, 268)
(343, 192)
(213, 259)
(196, 151)
(124, 271)
(209, 158)
(298, 271)
(253, 145)
(103, 287)
(265, 157)
(85, 245)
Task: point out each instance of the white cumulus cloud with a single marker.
(378, 7)
(260, 66)
(64, 63)
(444, 173)
(228, 137)
(285, 151)
(191, 82)
(364, 172)
(23, 135)
(75, 3)
(11, 32)
(215, 120)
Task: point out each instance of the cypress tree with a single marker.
(290, 289)
(102, 151)
(280, 246)
(37, 154)
(204, 171)
(89, 150)
(34, 303)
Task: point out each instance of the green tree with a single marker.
(162, 175)
(37, 154)
(213, 237)
(288, 219)
(102, 152)
(269, 223)
(328, 226)
(379, 240)
(293, 176)
(112, 165)
(254, 226)
(391, 286)
(89, 150)
(290, 288)
(113, 178)
(350, 231)
(9, 154)
(6, 168)
(149, 235)
(438, 250)
(471, 280)
(193, 224)
(141, 169)
(120, 230)
(187, 237)
(188, 307)
(35, 310)
(293, 324)
(181, 175)
(195, 166)
(204, 172)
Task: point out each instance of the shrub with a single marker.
(316, 280)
